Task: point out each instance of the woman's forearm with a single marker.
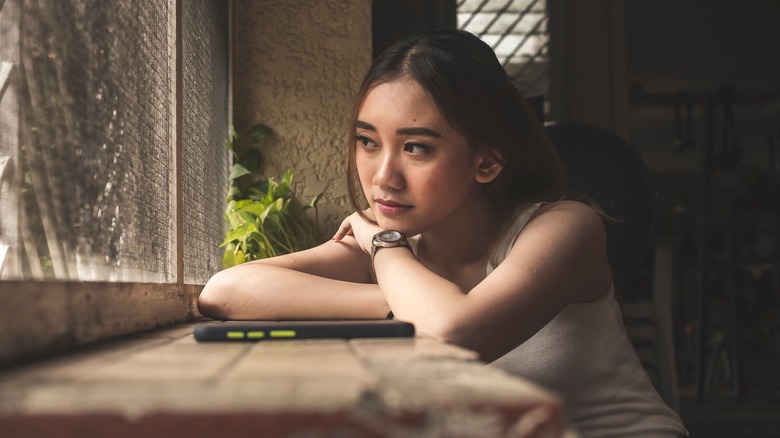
(417, 294)
(267, 292)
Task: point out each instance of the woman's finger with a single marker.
(344, 229)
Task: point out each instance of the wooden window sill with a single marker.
(164, 383)
(44, 317)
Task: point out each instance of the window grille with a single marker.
(91, 145)
(517, 32)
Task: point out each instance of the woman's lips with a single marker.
(389, 207)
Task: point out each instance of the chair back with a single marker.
(604, 166)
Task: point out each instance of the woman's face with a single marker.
(414, 168)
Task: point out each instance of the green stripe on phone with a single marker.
(282, 333)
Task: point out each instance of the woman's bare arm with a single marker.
(329, 281)
(559, 258)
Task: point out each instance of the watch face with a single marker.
(389, 236)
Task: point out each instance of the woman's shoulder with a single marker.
(569, 216)
(567, 223)
(569, 206)
(565, 212)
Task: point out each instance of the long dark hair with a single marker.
(470, 87)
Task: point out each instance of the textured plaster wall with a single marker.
(297, 65)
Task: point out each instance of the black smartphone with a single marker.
(251, 331)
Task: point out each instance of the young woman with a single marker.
(463, 227)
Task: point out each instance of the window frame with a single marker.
(41, 317)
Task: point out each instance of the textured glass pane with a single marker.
(204, 131)
(9, 139)
(94, 140)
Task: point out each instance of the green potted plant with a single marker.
(264, 217)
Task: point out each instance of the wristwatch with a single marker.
(388, 239)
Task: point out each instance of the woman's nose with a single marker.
(388, 174)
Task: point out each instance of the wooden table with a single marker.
(164, 383)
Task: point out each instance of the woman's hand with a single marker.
(356, 226)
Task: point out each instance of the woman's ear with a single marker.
(488, 169)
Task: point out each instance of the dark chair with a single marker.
(601, 164)
(604, 166)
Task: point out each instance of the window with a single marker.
(113, 165)
(517, 32)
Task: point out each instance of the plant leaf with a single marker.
(231, 140)
(314, 201)
(259, 132)
(262, 185)
(270, 195)
(255, 209)
(246, 216)
(284, 188)
(278, 205)
(239, 234)
(264, 214)
(237, 171)
(234, 220)
(234, 193)
(251, 160)
(287, 178)
(230, 258)
(255, 194)
(242, 204)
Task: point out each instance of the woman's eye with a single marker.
(416, 148)
(365, 141)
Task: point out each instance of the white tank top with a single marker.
(585, 356)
